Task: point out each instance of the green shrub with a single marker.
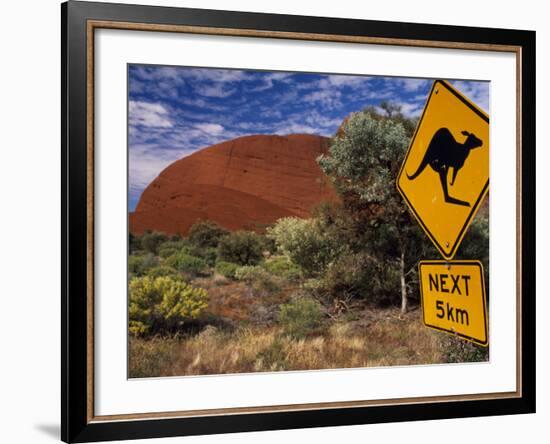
(152, 241)
(138, 265)
(476, 245)
(456, 350)
(281, 266)
(162, 304)
(300, 317)
(134, 243)
(187, 264)
(209, 254)
(362, 276)
(351, 275)
(257, 277)
(168, 251)
(206, 233)
(226, 269)
(169, 248)
(241, 247)
(305, 242)
(162, 270)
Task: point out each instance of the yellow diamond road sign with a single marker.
(453, 298)
(445, 174)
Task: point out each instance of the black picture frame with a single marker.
(77, 424)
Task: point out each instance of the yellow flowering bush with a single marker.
(162, 304)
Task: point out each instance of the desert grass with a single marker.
(387, 340)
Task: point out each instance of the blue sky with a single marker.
(175, 111)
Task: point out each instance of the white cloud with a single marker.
(210, 128)
(218, 75)
(411, 109)
(328, 97)
(353, 81)
(219, 90)
(147, 161)
(317, 119)
(268, 79)
(148, 114)
(296, 128)
(158, 73)
(412, 85)
(477, 92)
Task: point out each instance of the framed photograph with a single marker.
(275, 221)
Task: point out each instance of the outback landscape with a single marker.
(280, 252)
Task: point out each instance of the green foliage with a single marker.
(282, 266)
(187, 264)
(351, 275)
(209, 254)
(305, 242)
(227, 269)
(475, 245)
(162, 304)
(456, 349)
(206, 233)
(171, 247)
(151, 241)
(257, 277)
(162, 270)
(300, 317)
(138, 265)
(365, 160)
(363, 163)
(134, 243)
(361, 276)
(241, 247)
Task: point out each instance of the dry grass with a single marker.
(381, 339)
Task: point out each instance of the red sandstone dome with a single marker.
(245, 183)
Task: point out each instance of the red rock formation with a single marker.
(248, 182)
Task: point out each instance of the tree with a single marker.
(305, 242)
(151, 241)
(363, 163)
(390, 108)
(206, 233)
(241, 247)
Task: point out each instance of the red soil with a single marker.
(245, 183)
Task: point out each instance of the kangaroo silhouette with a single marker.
(444, 153)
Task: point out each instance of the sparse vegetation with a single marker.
(257, 277)
(387, 339)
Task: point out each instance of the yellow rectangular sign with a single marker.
(453, 298)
